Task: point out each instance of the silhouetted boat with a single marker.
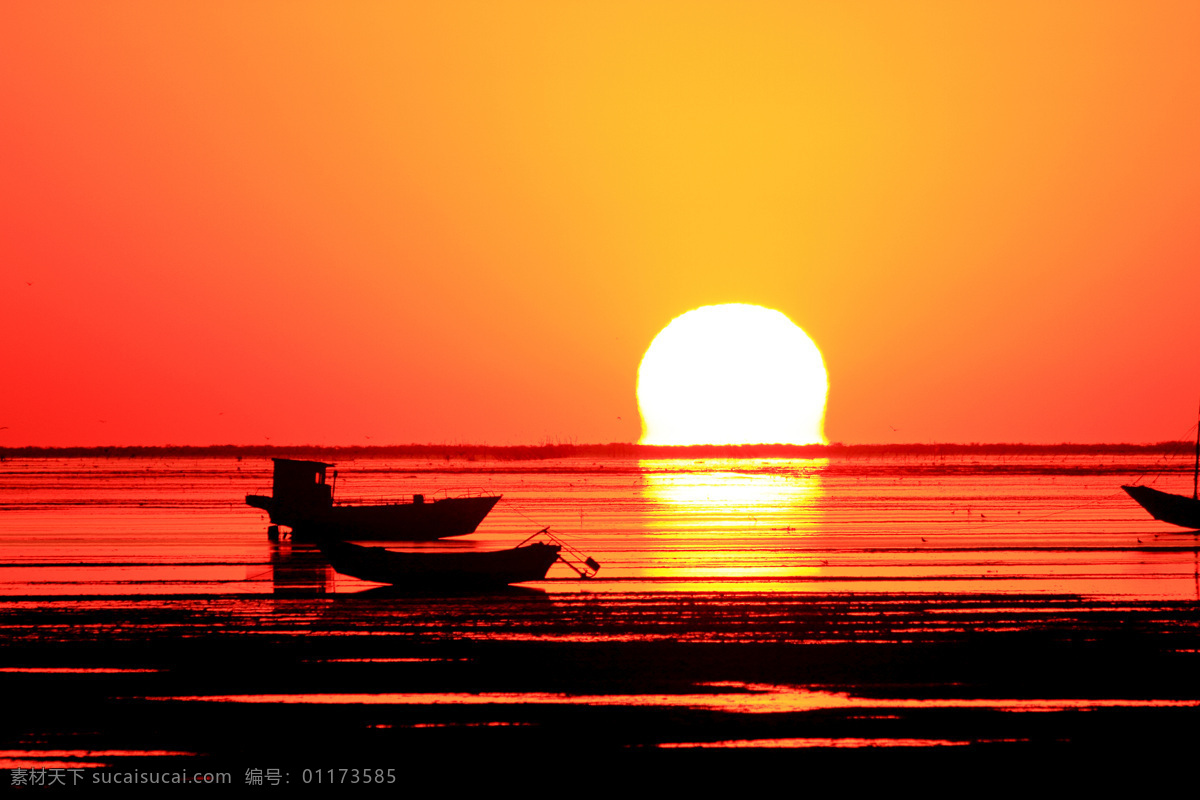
(303, 501)
(1176, 509)
(528, 562)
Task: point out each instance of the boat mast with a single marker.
(1196, 474)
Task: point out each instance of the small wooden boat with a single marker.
(1176, 509)
(528, 562)
(303, 501)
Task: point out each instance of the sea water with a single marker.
(928, 578)
(1041, 524)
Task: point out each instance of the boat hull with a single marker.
(408, 522)
(442, 570)
(1173, 508)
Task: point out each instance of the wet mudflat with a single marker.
(808, 611)
(379, 681)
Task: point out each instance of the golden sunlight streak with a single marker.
(732, 374)
(733, 519)
(729, 494)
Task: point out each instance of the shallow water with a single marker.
(1045, 524)
(860, 603)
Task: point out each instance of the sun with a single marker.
(732, 374)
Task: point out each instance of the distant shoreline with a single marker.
(613, 450)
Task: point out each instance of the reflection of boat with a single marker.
(303, 501)
(529, 562)
(298, 569)
(1176, 509)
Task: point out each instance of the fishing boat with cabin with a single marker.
(302, 500)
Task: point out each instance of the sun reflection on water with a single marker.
(731, 517)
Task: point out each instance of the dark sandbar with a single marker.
(1122, 676)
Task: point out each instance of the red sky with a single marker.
(464, 222)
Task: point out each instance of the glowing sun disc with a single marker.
(732, 374)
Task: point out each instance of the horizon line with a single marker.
(567, 450)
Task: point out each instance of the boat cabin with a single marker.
(301, 483)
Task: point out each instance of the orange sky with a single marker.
(464, 222)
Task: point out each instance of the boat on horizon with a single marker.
(1177, 509)
(302, 500)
